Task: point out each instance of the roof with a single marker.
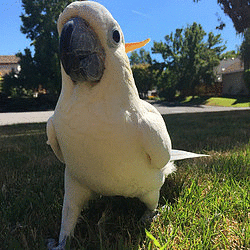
(4, 71)
(9, 59)
(224, 64)
(238, 66)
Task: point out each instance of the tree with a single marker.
(39, 25)
(28, 76)
(189, 60)
(17, 84)
(142, 58)
(238, 11)
(245, 49)
(144, 78)
(143, 71)
(166, 85)
(11, 85)
(245, 56)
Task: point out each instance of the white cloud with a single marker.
(140, 13)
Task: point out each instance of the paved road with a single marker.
(33, 117)
(26, 117)
(165, 109)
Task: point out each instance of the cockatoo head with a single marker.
(91, 42)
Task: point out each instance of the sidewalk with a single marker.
(27, 117)
(43, 116)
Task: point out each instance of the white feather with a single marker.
(177, 155)
(111, 141)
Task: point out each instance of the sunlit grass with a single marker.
(212, 210)
(218, 101)
(206, 200)
(228, 102)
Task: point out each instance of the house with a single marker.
(230, 74)
(9, 63)
(233, 80)
(225, 63)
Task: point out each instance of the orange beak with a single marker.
(132, 46)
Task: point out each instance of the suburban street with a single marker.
(169, 109)
(43, 116)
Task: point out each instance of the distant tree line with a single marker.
(42, 68)
(188, 57)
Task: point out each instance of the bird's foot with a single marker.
(52, 244)
(164, 208)
(150, 216)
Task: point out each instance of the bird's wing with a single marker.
(154, 136)
(52, 140)
(181, 155)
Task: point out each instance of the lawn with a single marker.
(204, 205)
(218, 101)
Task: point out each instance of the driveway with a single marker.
(164, 108)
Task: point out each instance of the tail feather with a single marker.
(178, 155)
(181, 155)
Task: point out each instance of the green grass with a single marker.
(218, 101)
(206, 201)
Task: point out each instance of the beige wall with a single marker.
(233, 84)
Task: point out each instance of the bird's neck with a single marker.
(116, 88)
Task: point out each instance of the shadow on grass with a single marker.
(110, 223)
(215, 131)
(181, 102)
(242, 99)
(203, 100)
(114, 222)
(22, 104)
(194, 101)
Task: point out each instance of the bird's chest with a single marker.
(102, 148)
(96, 121)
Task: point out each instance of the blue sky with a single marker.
(138, 19)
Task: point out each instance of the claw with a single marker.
(52, 245)
(148, 217)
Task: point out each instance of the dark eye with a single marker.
(116, 36)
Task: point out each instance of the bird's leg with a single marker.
(75, 197)
(151, 201)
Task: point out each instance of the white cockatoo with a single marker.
(112, 142)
